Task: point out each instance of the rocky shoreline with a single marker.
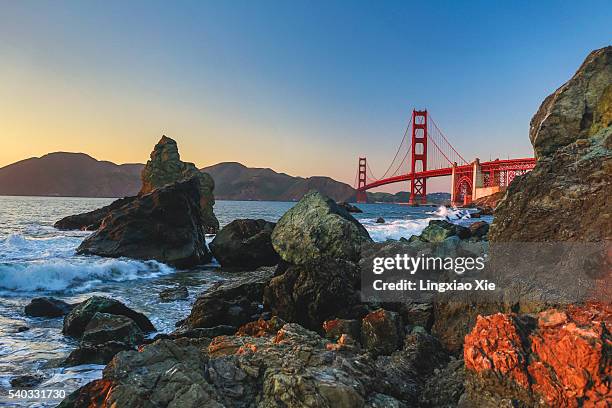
(292, 328)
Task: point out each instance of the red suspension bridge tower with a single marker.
(425, 152)
(418, 185)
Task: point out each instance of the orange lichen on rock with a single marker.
(258, 328)
(573, 364)
(564, 361)
(495, 344)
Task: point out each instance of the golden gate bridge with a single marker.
(432, 155)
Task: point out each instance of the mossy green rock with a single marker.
(317, 227)
(439, 230)
(165, 167)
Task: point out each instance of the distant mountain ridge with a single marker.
(235, 181)
(80, 175)
(69, 175)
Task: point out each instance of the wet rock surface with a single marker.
(26, 381)
(164, 225)
(172, 294)
(76, 322)
(235, 303)
(245, 244)
(47, 307)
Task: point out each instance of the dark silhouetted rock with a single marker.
(350, 207)
(90, 221)
(313, 292)
(245, 244)
(380, 220)
(163, 225)
(235, 302)
(47, 307)
(77, 320)
(172, 294)
(479, 229)
(165, 167)
(92, 353)
(316, 227)
(27, 381)
(105, 327)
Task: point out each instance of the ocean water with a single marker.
(38, 260)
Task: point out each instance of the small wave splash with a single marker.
(49, 264)
(452, 213)
(63, 275)
(394, 229)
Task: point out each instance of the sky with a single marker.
(302, 87)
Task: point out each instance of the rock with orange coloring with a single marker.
(261, 327)
(335, 328)
(559, 358)
(380, 332)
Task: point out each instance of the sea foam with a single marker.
(75, 275)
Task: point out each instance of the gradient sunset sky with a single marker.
(303, 87)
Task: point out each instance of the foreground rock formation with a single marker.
(558, 358)
(91, 221)
(245, 244)
(317, 227)
(572, 136)
(165, 167)
(104, 327)
(163, 225)
(290, 367)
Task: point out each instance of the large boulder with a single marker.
(235, 302)
(291, 367)
(163, 374)
(165, 167)
(164, 225)
(245, 244)
(560, 358)
(76, 322)
(313, 292)
(316, 227)
(47, 307)
(572, 136)
(105, 327)
(104, 336)
(91, 221)
(579, 109)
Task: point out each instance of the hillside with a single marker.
(69, 175)
(234, 181)
(79, 175)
